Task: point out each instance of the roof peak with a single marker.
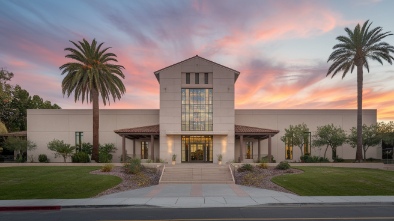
(197, 56)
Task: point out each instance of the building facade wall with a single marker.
(44, 126)
(282, 119)
(172, 80)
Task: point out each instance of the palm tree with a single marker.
(89, 76)
(356, 49)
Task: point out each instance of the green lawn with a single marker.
(330, 181)
(52, 182)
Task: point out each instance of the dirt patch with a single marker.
(147, 177)
(261, 178)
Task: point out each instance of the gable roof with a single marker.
(157, 73)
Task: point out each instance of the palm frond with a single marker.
(360, 44)
(92, 68)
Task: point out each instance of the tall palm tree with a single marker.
(354, 50)
(89, 76)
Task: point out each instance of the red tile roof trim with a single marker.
(253, 130)
(153, 129)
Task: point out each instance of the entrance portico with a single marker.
(259, 134)
(198, 148)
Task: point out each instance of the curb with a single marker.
(28, 208)
(328, 204)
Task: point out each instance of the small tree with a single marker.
(61, 149)
(20, 146)
(371, 137)
(299, 135)
(329, 136)
(386, 132)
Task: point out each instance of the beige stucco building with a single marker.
(196, 121)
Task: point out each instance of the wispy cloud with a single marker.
(147, 36)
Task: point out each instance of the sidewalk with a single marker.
(196, 196)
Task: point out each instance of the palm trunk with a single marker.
(95, 150)
(359, 155)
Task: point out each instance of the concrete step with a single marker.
(197, 173)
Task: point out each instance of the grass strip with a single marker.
(52, 182)
(334, 181)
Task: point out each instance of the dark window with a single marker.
(289, 148)
(197, 110)
(197, 76)
(78, 140)
(206, 78)
(307, 143)
(249, 150)
(144, 149)
(187, 78)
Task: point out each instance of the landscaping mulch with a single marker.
(261, 178)
(147, 177)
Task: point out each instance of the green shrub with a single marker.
(263, 165)
(338, 159)
(42, 158)
(80, 157)
(62, 149)
(105, 157)
(21, 158)
(105, 151)
(245, 167)
(304, 158)
(284, 165)
(20, 147)
(323, 160)
(134, 166)
(265, 159)
(107, 167)
(107, 148)
(252, 179)
(313, 159)
(141, 179)
(87, 148)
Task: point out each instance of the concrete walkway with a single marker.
(195, 196)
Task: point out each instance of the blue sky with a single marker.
(280, 47)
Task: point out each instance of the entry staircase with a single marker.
(196, 173)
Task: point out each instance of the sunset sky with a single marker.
(280, 47)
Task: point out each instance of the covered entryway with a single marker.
(149, 133)
(197, 149)
(259, 134)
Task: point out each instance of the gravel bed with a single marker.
(262, 178)
(130, 181)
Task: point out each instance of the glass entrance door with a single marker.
(197, 149)
(197, 153)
